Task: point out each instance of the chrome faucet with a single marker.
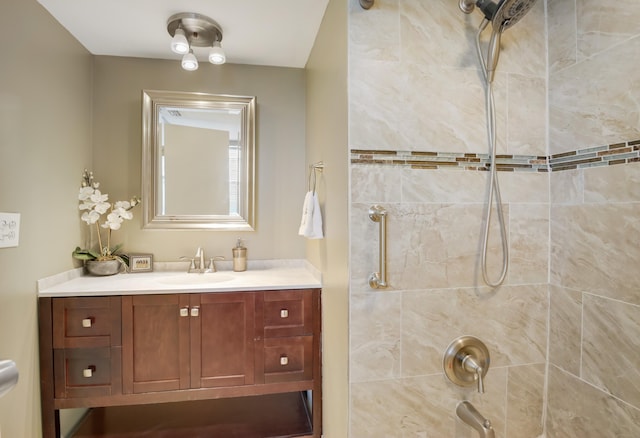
(470, 415)
(200, 256)
(198, 265)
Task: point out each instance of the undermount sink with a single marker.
(190, 279)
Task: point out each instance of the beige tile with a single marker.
(384, 43)
(527, 115)
(611, 347)
(443, 186)
(374, 184)
(435, 245)
(602, 25)
(377, 409)
(511, 321)
(529, 243)
(437, 33)
(617, 183)
(577, 409)
(567, 187)
(374, 332)
(561, 23)
(565, 329)
(525, 396)
(600, 108)
(376, 106)
(524, 187)
(422, 407)
(594, 249)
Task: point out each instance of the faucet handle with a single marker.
(212, 263)
(192, 264)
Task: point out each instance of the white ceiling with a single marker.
(260, 32)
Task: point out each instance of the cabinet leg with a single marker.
(51, 424)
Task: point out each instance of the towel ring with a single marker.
(313, 168)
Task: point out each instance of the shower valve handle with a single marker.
(471, 366)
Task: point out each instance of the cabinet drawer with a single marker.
(86, 322)
(288, 359)
(288, 313)
(86, 372)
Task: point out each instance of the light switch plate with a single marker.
(9, 229)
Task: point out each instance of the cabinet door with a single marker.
(155, 343)
(222, 339)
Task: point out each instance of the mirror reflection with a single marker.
(198, 165)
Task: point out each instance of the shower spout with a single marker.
(470, 415)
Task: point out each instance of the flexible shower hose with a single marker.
(494, 188)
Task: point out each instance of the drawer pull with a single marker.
(87, 322)
(88, 372)
(284, 360)
(284, 313)
(184, 311)
(195, 311)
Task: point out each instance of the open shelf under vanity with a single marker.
(272, 415)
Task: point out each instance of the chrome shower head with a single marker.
(509, 12)
(503, 14)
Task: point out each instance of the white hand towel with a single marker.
(311, 223)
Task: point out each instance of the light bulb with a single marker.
(179, 43)
(189, 61)
(216, 54)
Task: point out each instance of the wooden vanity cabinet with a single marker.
(131, 350)
(184, 341)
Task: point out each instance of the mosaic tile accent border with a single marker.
(619, 153)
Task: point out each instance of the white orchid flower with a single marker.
(113, 221)
(85, 193)
(95, 204)
(98, 197)
(102, 207)
(90, 217)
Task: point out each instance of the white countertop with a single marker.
(172, 277)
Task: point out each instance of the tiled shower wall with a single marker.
(594, 344)
(414, 86)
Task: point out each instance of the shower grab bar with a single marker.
(378, 280)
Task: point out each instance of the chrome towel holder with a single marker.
(313, 168)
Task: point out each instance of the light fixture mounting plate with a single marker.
(200, 30)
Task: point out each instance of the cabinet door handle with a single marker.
(284, 313)
(87, 322)
(184, 311)
(88, 371)
(284, 360)
(195, 311)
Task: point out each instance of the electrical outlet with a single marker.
(9, 229)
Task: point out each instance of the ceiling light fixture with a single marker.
(216, 54)
(189, 61)
(198, 31)
(179, 43)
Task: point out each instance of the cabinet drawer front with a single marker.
(288, 313)
(86, 322)
(288, 359)
(86, 372)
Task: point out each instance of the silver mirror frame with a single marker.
(152, 101)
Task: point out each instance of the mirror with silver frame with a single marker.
(198, 159)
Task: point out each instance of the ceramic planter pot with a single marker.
(102, 267)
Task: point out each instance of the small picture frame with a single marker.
(140, 262)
